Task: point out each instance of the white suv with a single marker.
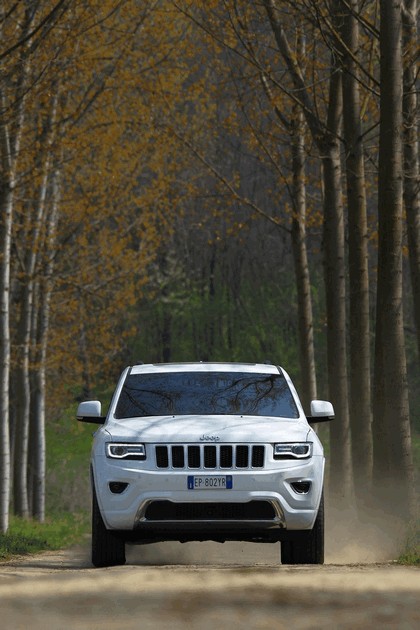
(207, 451)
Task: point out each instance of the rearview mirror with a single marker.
(90, 411)
(321, 411)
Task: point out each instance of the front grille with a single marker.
(168, 511)
(210, 457)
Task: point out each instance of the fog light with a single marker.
(301, 487)
(117, 487)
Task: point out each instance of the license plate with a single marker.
(207, 482)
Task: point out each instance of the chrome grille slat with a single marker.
(210, 456)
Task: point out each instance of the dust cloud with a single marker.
(352, 538)
(349, 539)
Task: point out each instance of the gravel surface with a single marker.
(205, 586)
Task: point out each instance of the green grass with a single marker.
(68, 454)
(411, 553)
(67, 492)
(27, 537)
(415, 440)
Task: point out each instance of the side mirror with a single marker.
(321, 411)
(90, 411)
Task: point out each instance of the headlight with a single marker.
(293, 450)
(117, 450)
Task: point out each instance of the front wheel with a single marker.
(308, 547)
(107, 548)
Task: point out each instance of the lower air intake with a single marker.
(168, 511)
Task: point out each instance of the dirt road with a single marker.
(204, 586)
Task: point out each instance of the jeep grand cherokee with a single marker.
(206, 451)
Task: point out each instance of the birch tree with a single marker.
(6, 209)
(69, 144)
(36, 216)
(11, 128)
(39, 347)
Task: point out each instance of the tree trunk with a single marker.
(411, 155)
(360, 381)
(6, 220)
(23, 397)
(38, 456)
(166, 337)
(83, 351)
(393, 470)
(335, 291)
(6, 208)
(300, 255)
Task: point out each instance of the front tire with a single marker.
(107, 548)
(308, 547)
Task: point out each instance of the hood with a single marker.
(207, 429)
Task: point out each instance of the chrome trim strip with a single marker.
(277, 520)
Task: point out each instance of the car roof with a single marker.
(202, 366)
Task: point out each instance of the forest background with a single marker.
(218, 180)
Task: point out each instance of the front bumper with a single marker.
(129, 511)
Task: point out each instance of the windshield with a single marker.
(187, 393)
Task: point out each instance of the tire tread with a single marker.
(308, 548)
(107, 548)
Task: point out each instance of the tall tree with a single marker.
(39, 346)
(411, 150)
(393, 470)
(6, 208)
(298, 136)
(300, 254)
(347, 43)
